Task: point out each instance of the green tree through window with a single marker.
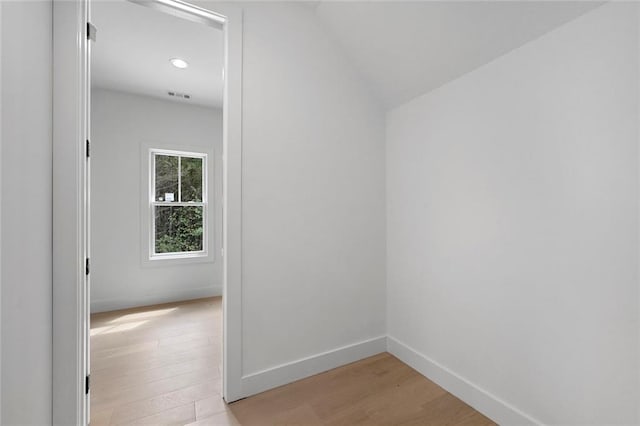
(179, 202)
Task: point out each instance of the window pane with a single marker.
(191, 179)
(178, 228)
(166, 178)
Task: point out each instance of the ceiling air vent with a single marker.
(179, 95)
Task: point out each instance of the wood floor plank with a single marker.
(113, 396)
(125, 413)
(177, 416)
(208, 407)
(101, 417)
(148, 376)
(225, 418)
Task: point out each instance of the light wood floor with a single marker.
(160, 365)
(156, 365)
(380, 390)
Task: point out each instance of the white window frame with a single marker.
(153, 203)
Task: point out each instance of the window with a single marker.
(178, 204)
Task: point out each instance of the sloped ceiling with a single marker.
(405, 49)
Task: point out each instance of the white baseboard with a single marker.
(290, 372)
(488, 404)
(155, 299)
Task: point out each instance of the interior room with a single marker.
(156, 211)
(319, 213)
(143, 106)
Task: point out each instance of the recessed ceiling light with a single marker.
(179, 63)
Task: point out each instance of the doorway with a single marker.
(183, 228)
(155, 216)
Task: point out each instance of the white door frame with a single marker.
(71, 100)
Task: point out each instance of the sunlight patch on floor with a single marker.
(116, 328)
(141, 315)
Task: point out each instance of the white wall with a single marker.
(513, 226)
(124, 127)
(533, 296)
(26, 212)
(313, 194)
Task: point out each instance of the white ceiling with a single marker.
(134, 45)
(404, 49)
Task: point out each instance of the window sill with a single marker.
(178, 259)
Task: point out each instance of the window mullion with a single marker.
(152, 206)
(153, 229)
(152, 177)
(204, 196)
(179, 179)
(177, 204)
